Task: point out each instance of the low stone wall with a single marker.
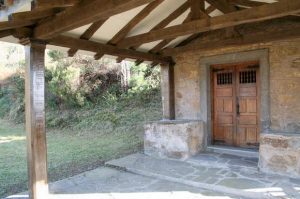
(280, 154)
(174, 139)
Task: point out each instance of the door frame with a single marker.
(262, 56)
(235, 85)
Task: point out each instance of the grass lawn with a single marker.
(93, 137)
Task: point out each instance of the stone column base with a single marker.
(174, 139)
(280, 154)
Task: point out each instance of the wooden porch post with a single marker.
(35, 119)
(168, 91)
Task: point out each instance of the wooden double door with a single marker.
(235, 111)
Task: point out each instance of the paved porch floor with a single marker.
(207, 175)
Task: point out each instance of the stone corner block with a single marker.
(174, 139)
(280, 154)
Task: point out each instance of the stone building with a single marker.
(258, 113)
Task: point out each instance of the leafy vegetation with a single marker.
(91, 117)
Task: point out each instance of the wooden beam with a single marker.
(165, 42)
(137, 19)
(132, 23)
(87, 35)
(197, 9)
(210, 9)
(31, 15)
(5, 33)
(248, 39)
(84, 13)
(179, 11)
(6, 25)
(222, 5)
(265, 12)
(35, 119)
(92, 46)
(246, 3)
(168, 91)
(53, 3)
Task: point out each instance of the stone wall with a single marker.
(284, 59)
(174, 139)
(280, 154)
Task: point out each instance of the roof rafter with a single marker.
(53, 3)
(5, 33)
(197, 9)
(83, 13)
(247, 3)
(6, 25)
(88, 34)
(247, 39)
(162, 44)
(32, 15)
(171, 17)
(222, 5)
(92, 46)
(131, 24)
(265, 12)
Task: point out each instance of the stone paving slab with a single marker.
(109, 183)
(217, 172)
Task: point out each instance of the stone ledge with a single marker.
(178, 139)
(280, 154)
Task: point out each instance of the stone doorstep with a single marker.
(127, 164)
(233, 151)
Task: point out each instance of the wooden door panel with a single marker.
(247, 120)
(224, 92)
(224, 119)
(235, 104)
(219, 105)
(247, 91)
(248, 96)
(251, 134)
(223, 116)
(228, 105)
(251, 105)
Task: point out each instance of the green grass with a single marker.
(86, 138)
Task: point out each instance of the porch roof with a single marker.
(135, 29)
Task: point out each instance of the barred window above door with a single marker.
(224, 78)
(248, 77)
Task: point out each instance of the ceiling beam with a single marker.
(157, 48)
(131, 24)
(197, 9)
(136, 20)
(265, 12)
(92, 46)
(83, 13)
(246, 3)
(32, 15)
(171, 17)
(5, 33)
(6, 25)
(222, 5)
(87, 35)
(53, 3)
(247, 39)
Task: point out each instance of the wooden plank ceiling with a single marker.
(142, 30)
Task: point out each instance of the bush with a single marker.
(12, 98)
(81, 83)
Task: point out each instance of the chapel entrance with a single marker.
(235, 107)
